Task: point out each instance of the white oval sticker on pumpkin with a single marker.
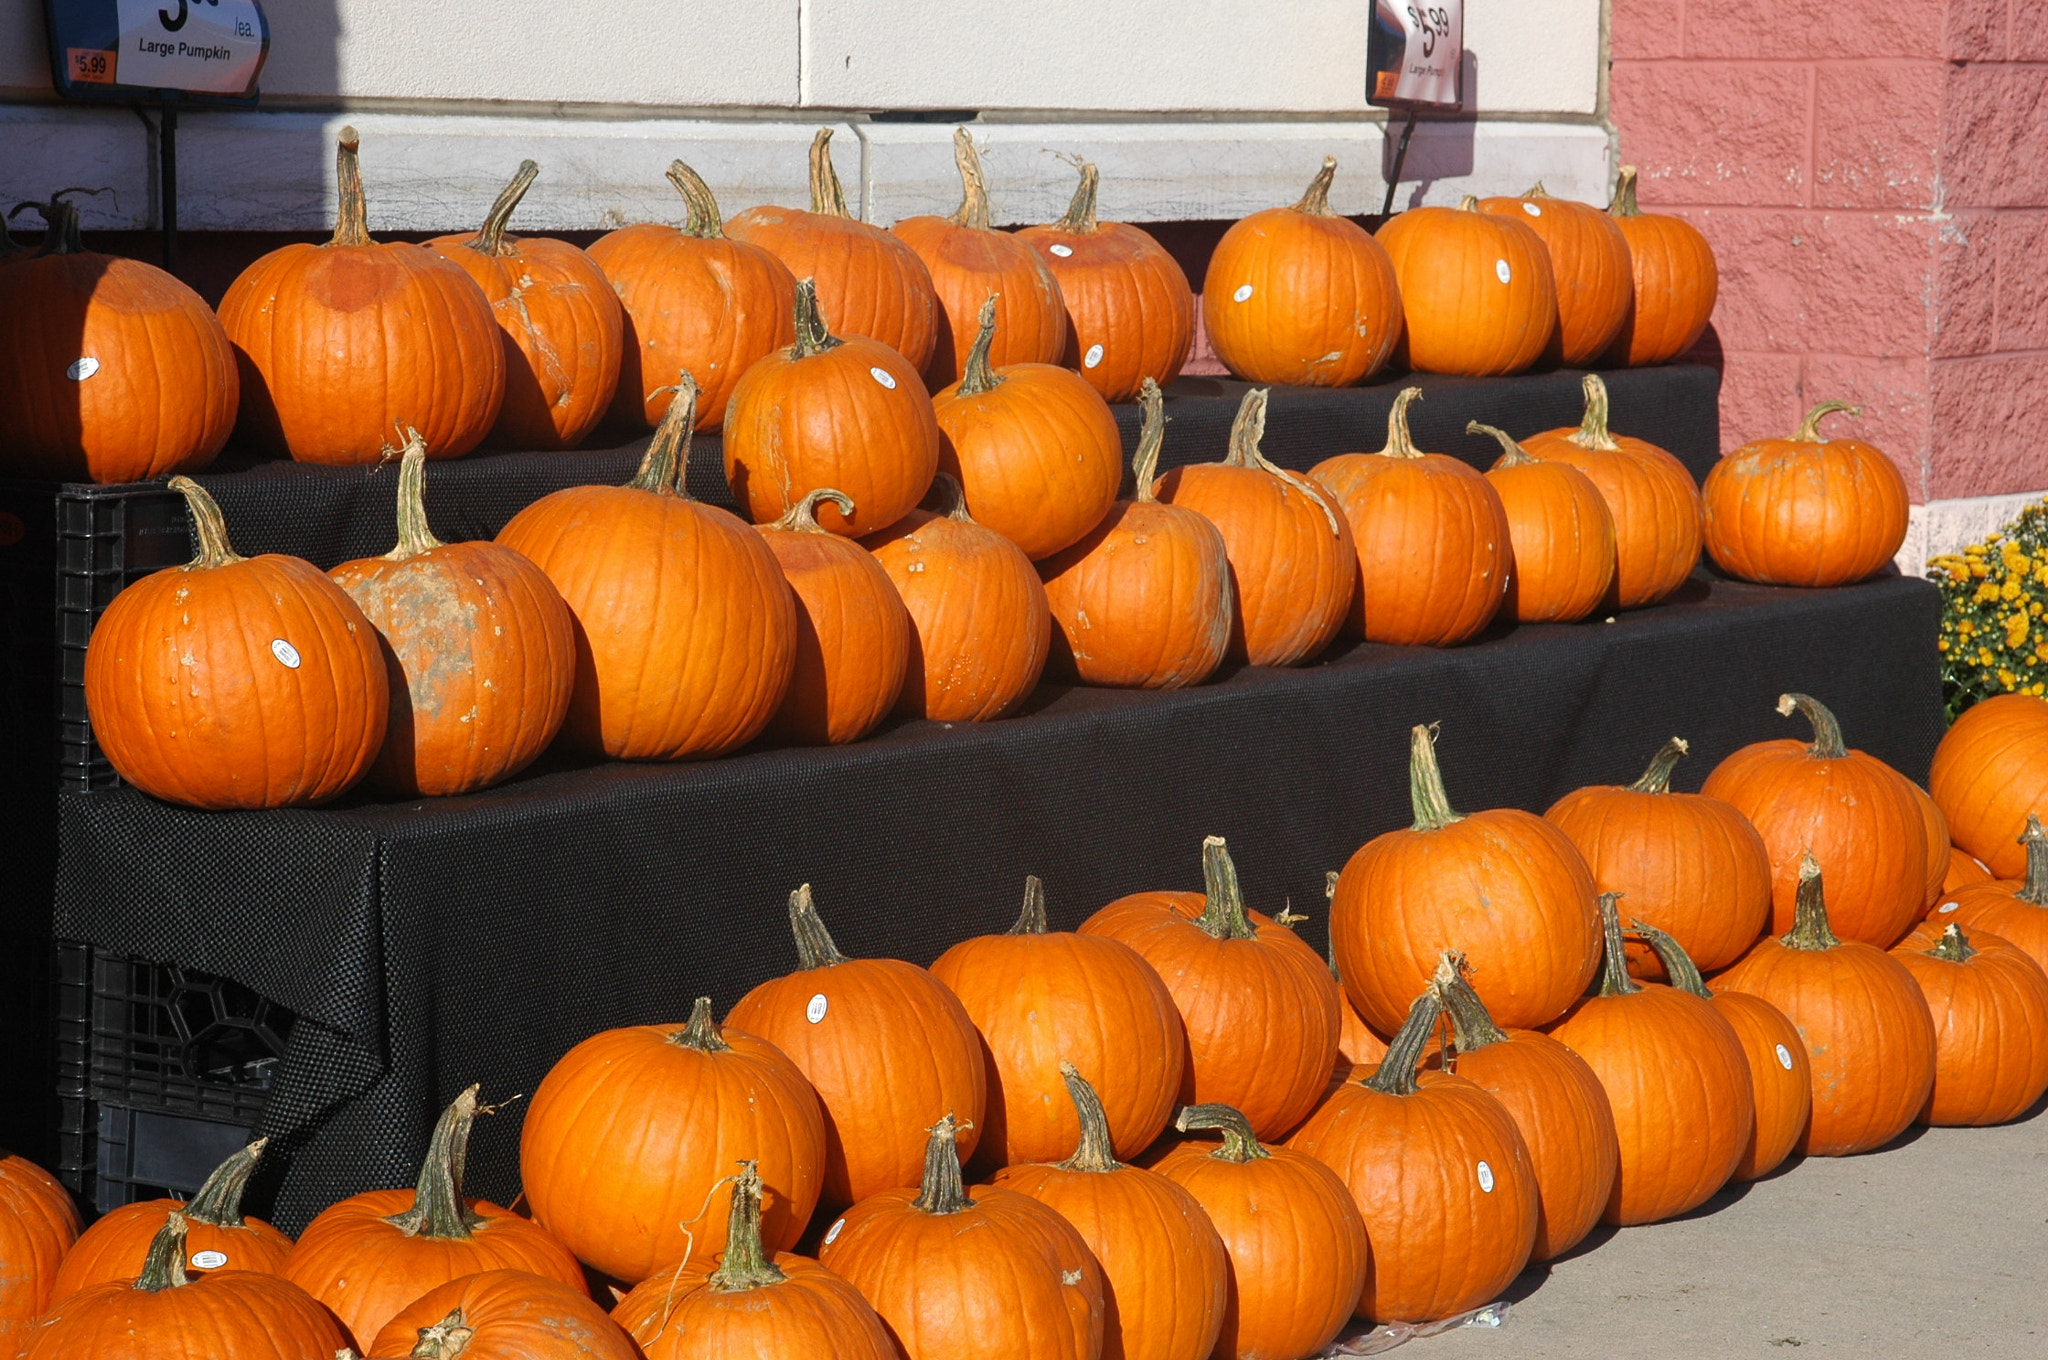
(1532, 210)
(1486, 1178)
(286, 654)
(1062, 251)
(884, 377)
(1784, 1057)
(1244, 290)
(1500, 267)
(832, 1233)
(816, 1010)
(1092, 357)
(1946, 907)
(78, 370)
(209, 1260)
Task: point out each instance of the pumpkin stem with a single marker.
(814, 946)
(414, 535)
(942, 1191)
(1614, 978)
(1685, 974)
(1810, 928)
(1395, 1076)
(828, 199)
(1469, 203)
(977, 377)
(812, 335)
(1222, 915)
(1240, 1144)
(947, 497)
(1151, 438)
(1247, 429)
(1330, 877)
(1953, 946)
(1426, 792)
(1657, 779)
(1624, 204)
(1472, 1025)
(1592, 432)
(703, 220)
(438, 1210)
(60, 226)
(445, 1339)
(1096, 1152)
(1511, 453)
(219, 1201)
(164, 1267)
(746, 1264)
(351, 216)
(207, 526)
(1827, 733)
(1536, 190)
(1400, 444)
(1080, 218)
(490, 240)
(1809, 428)
(973, 211)
(2035, 889)
(1031, 921)
(700, 1034)
(1316, 201)
(667, 460)
(802, 518)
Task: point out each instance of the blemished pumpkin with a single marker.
(1144, 600)
(703, 673)
(111, 370)
(971, 262)
(1503, 886)
(236, 682)
(628, 1148)
(1560, 531)
(694, 300)
(1675, 282)
(885, 1045)
(1989, 1003)
(1990, 775)
(1805, 511)
(2016, 912)
(869, 282)
(1589, 263)
(479, 651)
(1864, 1019)
(559, 321)
(849, 414)
(1130, 312)
(342, 344)
(1432, 539)
(1300, 296)
(503, 1315)
(1477, 296)
(38, 1225)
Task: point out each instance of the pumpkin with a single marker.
(1165, 1273)
(971, 262)
(1989, 1003)
(1259, 1007)
(980, 624)
(160, 1310)
(1440, 1175)
(1504, 886)
(559, 322)
(111, 370)
(1432, 537)
(1036, 451)
(1589, 264)
(852, 631)
(1357, 1045)
(217, 1237)
(342, 344)
(1780, 1073)
(1296, 1244)
(1677, 1080)
(1293, 566)
(38, 1225)
(1934, 827)
(236, 682)
(885, 1046)
(1674, 278)
(850, 414)
(1963, 870)
(1130, 314)
(703, 673)
(988, 1277)
(1559, 530)
(694, 300)
(504, 1315)
(2015, 912)
(1143, 601)
(1845, 808)
(869, 282)
(1477, 296)
(1685, 862)
(1864, 1020)
(1804, 511)
(1300, 296)
(1040, 998)
(373, 1253)
(1651, 494)
(479, 652)
(627, 1151)
(1557, 1103)
(1990, 774)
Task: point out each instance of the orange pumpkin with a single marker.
(1301, 296)
(342, 344)
(694, 300)
(504, 1315)
(1963, 870)
(1990, 774)
(1675, 282)
(559, 321)
(1589, 263)
(38, 1225)
(1934, 827)
(971, 262)
(2016, 912)
(1357, 1045)
(1560, 531)
(236, 682)
(1477, 296)
(1989, 1003)
(1804, 511)
(1130, 312)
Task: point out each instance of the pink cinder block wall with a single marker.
(1873, 175)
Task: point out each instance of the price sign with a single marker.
(1415, 54)
(134, 49)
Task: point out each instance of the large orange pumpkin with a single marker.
(1989, 1003)
(1589, 264)
(1990, 775)
(686, 627)
(2016, 912)
(236, 682)
(343, 344)
(849, 414)
(971, 262)
(1357, 1044)
(694, 300)
(1675, 282)
(1805, 511)
(1504, 886)
(1560, 531)
(1300, 296)
(561, 325)
(38, 1225)
(1477, 297)
(111, 370)
(1130, 312)
(504, 1315)
(1934, 827)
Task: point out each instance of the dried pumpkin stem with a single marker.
(1223, 915)
(973, 211)
(414, 535)
(1592, 432)
(802, 518)
(1395, 1075)
(1400, 444)
(1426, 792)
(1624, 204)
(1080, 218)
(1810, 928)
(490, 240)
(812, 334)
(164, 1267)
(1096, 1151)
(947, 497)
(814, 946)
(1031, 921)
(2035, 889)
(1151, 438)
(1614, 978)
(699, 1033)
(1316, 201)
(60, 226)
(351, 216)
(1472, 1025)
(702, 220)
(1657, 779)
(1953, 946)
(1247, 429)
(1536, 190)
(219, 1201)
(1469, 203)
(445, 1339)
(942, 1191)
(976, 377)
(438, 1210)
(667, 461)
(827, 197)
(1809, 428)
(1511, 453)
(1240, 1144)
(1827, 733)
(207, 526)
(746, 1264)
(1684, 973)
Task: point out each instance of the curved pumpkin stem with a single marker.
(1223, 916)
(942, 1191)
(1400, 444)
(973, 211)
(1953, 946)
(1426, 792)
(1614, 978)
(1096, 1151)
(438, 1209)
(352, 215)
(445, 1339)
(1151, 438)
(802, 518)
(490, 241)
(1657, 779)
(1247, 430)
(667, 461)
(1316, 201)
(1240, 1144)
(828, 199)
(219, 1201)
(947, 497)
(1469, 203)
(699, 1032)
(746, 1263)
(1031, 921)
(1827, 733)
(1592, 432)
(1330, 877)
(414, 536)
(1472, 1025)
(1809, 428)
(164, 1267)
(703, 220)
(2035, 889)
(1080, 218)
(1536, 190)
(207, 526)
(976, 377)
(812, 335)
(1810, 928)
(1685, 974)
(60, 225)
(1511, 453)
(1624, 204)
(1395, 1076)
(814, 946)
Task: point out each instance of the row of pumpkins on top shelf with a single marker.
(117, 372)
(1192, 1137)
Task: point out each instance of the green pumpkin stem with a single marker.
(164, 1267)
(1827, 733)
(1151, 438)
(2035, 889)
(1316, 201)
(1810, 928)
(699, 1033)
(1080, 218)
(1592, 432)
(1426, 792)
(746, 1263)
(351, 216)
(1240, 1144)
(207, 526)
(1095, 1152)
(1330, 877)
(1247, 430)
(1472, 1025)
(1511, 453)
(1953, 946)
(814, 946)
(942, 1190)
(219, 1201)
(414, 535)
(1624, 204)
(1809, 428)
(1395, 1076)
(802, 518)
(1223, 915)
(977, 377)
(701, 204)
(1614, 978)
(973, 211)
(1657, 779)
(813, 336)
(438, 1209)
(667, 461)
(444, 1340)
(1031, 921)
(828, 199)
(490, 240)
(1468, 203)
(1683, 972)
(1401, 444)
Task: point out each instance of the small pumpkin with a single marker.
(1357, 1045)
(1963, 870)
(2016, 912)
(1674, 278)
(1989, 1003)
(1991, 774)
(38, 1225)
(504, 1315)
(1477, 296)
(1560, 531)
(1300, 296)
(1589, 263)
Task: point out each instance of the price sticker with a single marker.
(1415, 53)
(1092, 357)
(209, 1260)
(1062, 250)
(1784, 1057)
(832, 1233)
(816, 1010)
(286, 654)
(90, 65)
(1486, 1178)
